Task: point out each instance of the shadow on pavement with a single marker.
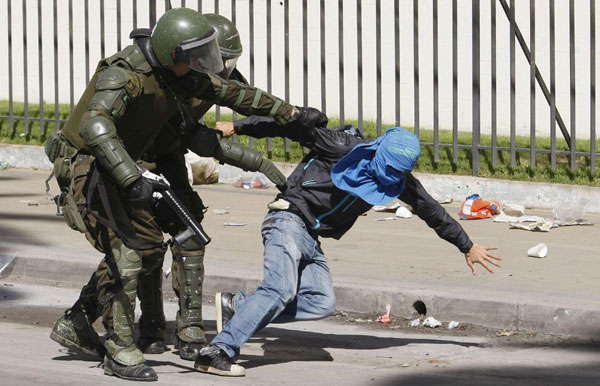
(587, 374)
(4, 177)
(8, 292)
(34, 217)
(9, 234)
(291, 345)
(19, 195)
(76, 355)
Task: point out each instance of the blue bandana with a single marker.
(372, 170)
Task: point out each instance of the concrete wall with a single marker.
(529, 194)
(582, 29)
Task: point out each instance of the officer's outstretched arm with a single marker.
(208, 143)
(243, 98)
(114, 89)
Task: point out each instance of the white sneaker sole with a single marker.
(236, 371)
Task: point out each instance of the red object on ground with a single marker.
(386, 317)
(475, 207)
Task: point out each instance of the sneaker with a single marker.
(73, 330)
(139, 372)
(224, 306)
(214, 360)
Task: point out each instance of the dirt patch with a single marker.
(495, 337)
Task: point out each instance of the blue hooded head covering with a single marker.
(372, 171)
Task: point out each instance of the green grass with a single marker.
(35, 136)
(522, 171)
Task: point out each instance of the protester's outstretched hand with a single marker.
(481, 255)
(226, 128)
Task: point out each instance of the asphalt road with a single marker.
(335, 351)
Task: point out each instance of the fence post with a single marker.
(593, 86)
(416, 63)
(25, 72)
(436, 112)
(513, 135)
(40, 69)
(341, 57)
(532, 141)
(11, 126)
(572, 68)
(476, 88)
(455, 82)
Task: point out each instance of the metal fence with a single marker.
(498, 11)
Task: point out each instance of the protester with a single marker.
(341, 178)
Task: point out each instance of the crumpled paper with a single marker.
(431, 322)
(386, 208)
(545, 225)
(503, 217)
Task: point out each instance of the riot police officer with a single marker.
(121, 115)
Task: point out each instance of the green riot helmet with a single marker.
(183, 35)
(230, 44)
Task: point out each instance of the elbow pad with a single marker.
(100, 136)
(248, 159)
(239, 155)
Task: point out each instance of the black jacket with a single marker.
(327, 210)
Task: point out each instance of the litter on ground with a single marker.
(545, 225)
(387, 208)
(385, 318)
(506, 333)
(431, 322)
(540, 250)
(505, 217)
(385, 219)
(475, 207)
(513, 209)
(403, 212)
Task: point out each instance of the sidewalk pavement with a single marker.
(375, 263)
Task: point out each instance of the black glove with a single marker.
(273, 174)
(140, 191)
(309, 118)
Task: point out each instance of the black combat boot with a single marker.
(224, 306)
(151, 345)
(139, 372)
(188, 350)
(74, 330)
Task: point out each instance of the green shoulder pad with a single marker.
(131, 57)
(113, 78)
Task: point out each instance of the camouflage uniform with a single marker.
(150, 97)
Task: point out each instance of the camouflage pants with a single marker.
(141, 223)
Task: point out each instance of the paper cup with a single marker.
(403, 212)
(540, 250)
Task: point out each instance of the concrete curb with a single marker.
(528, 194)
(507, 315)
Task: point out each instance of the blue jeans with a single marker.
(297, 283)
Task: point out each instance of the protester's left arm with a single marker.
(445, 226)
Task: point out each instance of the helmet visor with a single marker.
(202, 54)
(228, 66)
